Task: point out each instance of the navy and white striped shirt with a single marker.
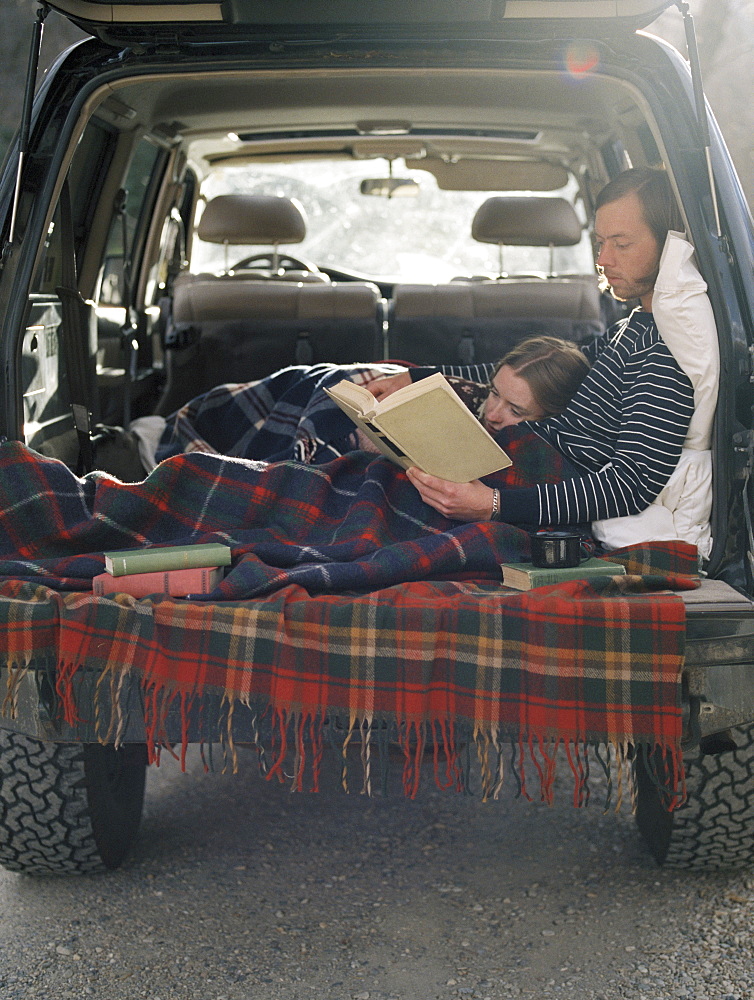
(625, 427)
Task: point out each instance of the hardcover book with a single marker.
(525, 576)
(160, 558)
(175, 582)
(426, 425)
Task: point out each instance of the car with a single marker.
(205, 193)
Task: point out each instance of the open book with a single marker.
(426, 425)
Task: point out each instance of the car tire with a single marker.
(714, 829)
(68, 808)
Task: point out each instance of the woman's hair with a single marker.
(652, 188)
(554, 369)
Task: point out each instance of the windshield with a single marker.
(423, 238)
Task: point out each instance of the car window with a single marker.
(133, 202)
(426, 237)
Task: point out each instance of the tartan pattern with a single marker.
(572, 664)
(348, 600)
(354, 523)
(285, 416)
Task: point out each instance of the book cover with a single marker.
(426, 425)
(525, 576)
(160, 558)
(175, 582)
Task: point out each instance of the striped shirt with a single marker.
(625, 427)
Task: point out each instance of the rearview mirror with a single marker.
(390, 187)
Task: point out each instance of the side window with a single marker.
(124, 230)
(90, 166)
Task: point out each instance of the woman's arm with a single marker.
(383, 387)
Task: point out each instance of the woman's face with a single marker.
(510, 401)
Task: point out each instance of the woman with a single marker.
(535, 380)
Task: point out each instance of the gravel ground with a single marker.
(238, 890)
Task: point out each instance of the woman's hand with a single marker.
(382, 387)
(459, 501)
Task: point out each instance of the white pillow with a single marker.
(682, 510)
(686, 323)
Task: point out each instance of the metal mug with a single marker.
(555, 549)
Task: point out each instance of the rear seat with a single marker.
(475, 321)
(241, 326)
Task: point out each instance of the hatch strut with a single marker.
(701, 106)
(23, 141)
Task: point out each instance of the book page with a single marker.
(351, 397)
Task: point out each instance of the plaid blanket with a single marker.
(460, 668)
(287, 415)
(350, 604)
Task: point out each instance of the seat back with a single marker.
(477, 321)
(241, 331)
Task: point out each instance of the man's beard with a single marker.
(637, 288)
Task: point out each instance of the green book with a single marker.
(525, 576)
(166, 557)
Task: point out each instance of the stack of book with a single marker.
(176, 570)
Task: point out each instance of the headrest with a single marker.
(252, 219)
(527, 222)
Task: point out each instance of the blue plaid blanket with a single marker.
(314, 512)
(355, 523)
(286, 416)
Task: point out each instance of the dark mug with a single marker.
(556, 549)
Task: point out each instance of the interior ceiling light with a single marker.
(383, 127)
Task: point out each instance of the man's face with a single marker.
(628, 254)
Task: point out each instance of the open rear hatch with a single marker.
(112, 19)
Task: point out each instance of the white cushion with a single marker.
(684, 318)
(681, 511)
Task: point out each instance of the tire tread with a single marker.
(45, 827)
(714, 829)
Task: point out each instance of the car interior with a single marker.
(217, 232)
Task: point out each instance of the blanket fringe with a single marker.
(292, 746)
(16, 673)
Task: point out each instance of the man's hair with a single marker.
(653, 189)
(554, 369)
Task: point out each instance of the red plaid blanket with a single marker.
(351, 607)
(592, 669)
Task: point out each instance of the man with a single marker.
(626, 424)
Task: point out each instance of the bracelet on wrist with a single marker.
(495, 516)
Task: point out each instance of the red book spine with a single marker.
(175, 582)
